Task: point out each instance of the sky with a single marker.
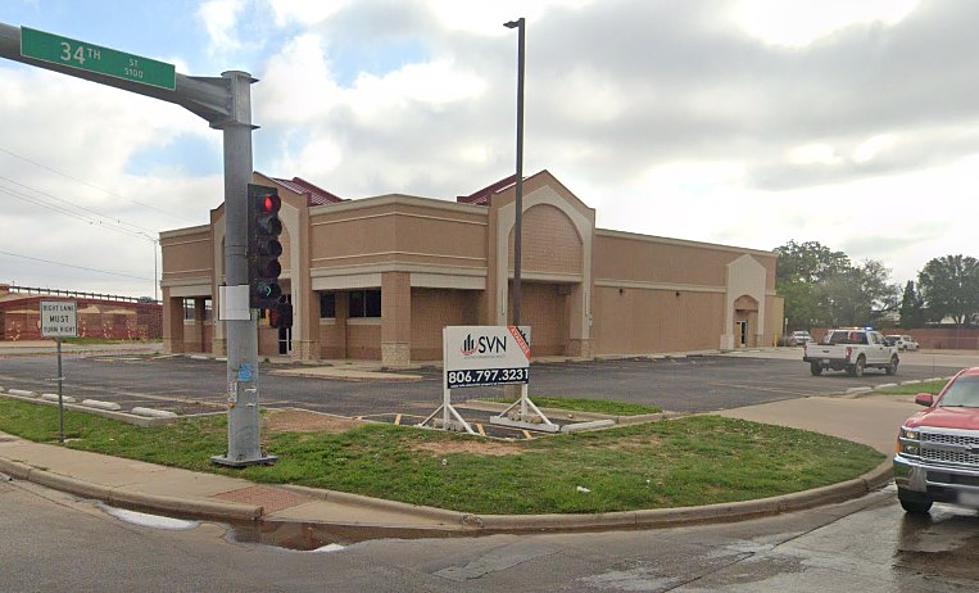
(746, 122)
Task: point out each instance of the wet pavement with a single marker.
(694, 384)
(867, 545)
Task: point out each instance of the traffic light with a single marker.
(281, 315)
(264, 248)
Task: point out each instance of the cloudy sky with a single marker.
(751, 122)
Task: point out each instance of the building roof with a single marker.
(315, 195)
(481, 197)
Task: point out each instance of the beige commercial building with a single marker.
(378, 278)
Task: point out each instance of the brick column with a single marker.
(578, 344)
(395, 318)
(173, 323)
(342, 313)
(309, 342)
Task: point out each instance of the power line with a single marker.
(93, 186)
(47, 261)
(75, 205)
(71, 214)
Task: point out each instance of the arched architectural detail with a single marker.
(506, 218)
(551, 242)
(746, 287)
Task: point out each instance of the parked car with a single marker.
(799, 338)
(852, 350)
(902, 342)
(937, 458)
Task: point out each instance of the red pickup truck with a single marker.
(937, 457)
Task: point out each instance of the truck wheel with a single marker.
(815, 368)
(856, 370)
(891, 369)
(913, 502)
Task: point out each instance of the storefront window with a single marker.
(188, 309)
(365, 303)
(328, 305)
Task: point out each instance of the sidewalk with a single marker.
(872, 420)
(135, 483)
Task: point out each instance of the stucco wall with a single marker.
(620, 257)
(431, 310)
(638, 321)
(364, 342)
(544, 309)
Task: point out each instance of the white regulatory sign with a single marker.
(485, 355)
(59, 319)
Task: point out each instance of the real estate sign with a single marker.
(59, 319)
(477, 355)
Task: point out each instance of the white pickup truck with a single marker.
(852, 350)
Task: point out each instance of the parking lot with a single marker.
(692, 384)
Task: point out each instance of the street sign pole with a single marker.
(225, 103)
(59, 319)
(61, 403)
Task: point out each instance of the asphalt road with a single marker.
(51, 542)
(694, 384)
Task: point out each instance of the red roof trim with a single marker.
(315, 195)
(481, 197)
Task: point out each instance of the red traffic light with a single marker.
(270, 204)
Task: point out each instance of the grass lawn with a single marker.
(932, 387)
(689, 461)
(585, 405)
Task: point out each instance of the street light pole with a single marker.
(520, 26)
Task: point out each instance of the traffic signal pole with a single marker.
(225, 103)
(242, 370)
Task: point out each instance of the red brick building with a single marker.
(99, 316)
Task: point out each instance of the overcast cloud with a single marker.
(744, 122)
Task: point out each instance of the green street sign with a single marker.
(95, 58)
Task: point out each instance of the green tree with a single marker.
(949, 286)
(810, 262)
(858, 295)
(912, 307)
(802, 270)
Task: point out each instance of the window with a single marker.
(188, 309)
(208, 310)
(328, 305)
(365, 303)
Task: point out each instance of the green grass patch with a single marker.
(690, 461)
(597, 406)
(932, 387)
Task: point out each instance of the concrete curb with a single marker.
(128, 418)
(192, 507)
(861, 392)
(455, 521)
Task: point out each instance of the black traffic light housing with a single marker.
(281, 315)
(264, 248)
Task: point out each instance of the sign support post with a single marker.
(448, 410)
(528, 412)
(61, 401)
(59, 319)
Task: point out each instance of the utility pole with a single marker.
(225, 103)
(520, 26)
